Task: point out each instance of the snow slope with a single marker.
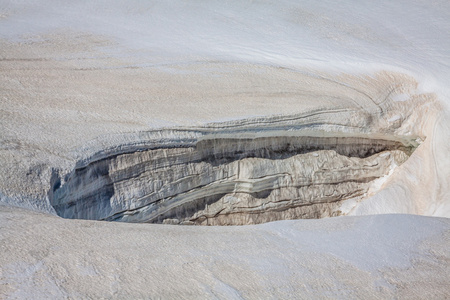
(372, 257)
(72, 72)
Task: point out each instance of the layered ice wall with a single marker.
(229, 181)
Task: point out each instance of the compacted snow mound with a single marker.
(382, 256)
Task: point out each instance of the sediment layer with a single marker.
(214, 179)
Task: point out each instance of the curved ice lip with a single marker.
(300, 125)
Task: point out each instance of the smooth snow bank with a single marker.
(384, 256)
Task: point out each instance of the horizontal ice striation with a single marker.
(227, 176)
